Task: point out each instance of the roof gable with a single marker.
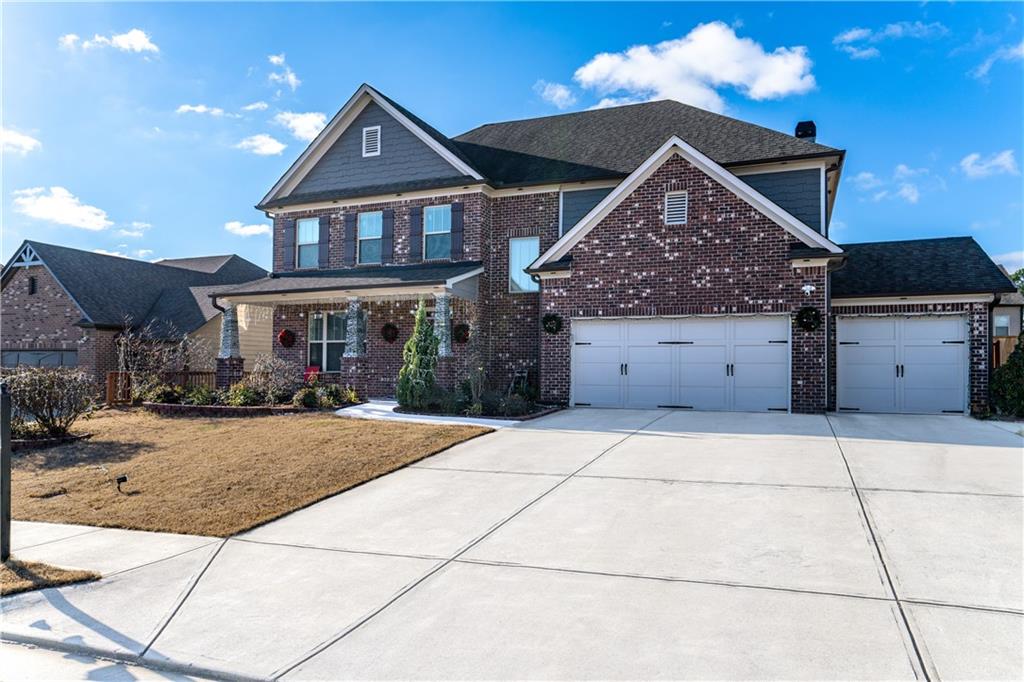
(671, 147)
(346, 117)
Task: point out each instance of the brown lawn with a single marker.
(22, 576)
(212, 476)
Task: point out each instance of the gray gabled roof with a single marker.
(613, 142)
(110, 290)
(918, 267)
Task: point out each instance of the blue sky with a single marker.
(151, 130)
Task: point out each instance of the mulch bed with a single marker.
(43, 443)
(178, 410)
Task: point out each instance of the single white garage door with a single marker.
(700, 363)
(902, 364)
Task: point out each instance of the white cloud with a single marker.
(974, 166)
(216, 112)
(236, 227)
(1012, 261)
(59, 206)
(906, 183)
(136, 40)
(691, 69)
(256, 106)
(143, 253)
(68, 41)
(302, 126)
(110, 253)
(909, 192)
(263, 145)
(903, 171)
(135, 229)
(17, 143)
(1007, 53)
(857, 42)
(285, 75)
(866, 180)
(555, 93)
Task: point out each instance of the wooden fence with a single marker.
(1002, 346)
(119, 385)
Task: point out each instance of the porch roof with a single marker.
(373, 280)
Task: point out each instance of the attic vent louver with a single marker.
(371, 141)
(676, 207)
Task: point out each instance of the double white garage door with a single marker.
(700, 363)
(902, 364)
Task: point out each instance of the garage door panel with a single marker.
(939, 356)
(933, 329)
(761, 329)
(643, 332)
(704, 398)
(868, 399)
(750, 399)
(591, 331)
(776, 354)
(649, 382)
(713, 329)
(868, 329)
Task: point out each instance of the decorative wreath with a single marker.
(552, 323)
(286, 337)
(389, 332)
(808, 318)
(460, 333)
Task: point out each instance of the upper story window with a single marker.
(437, 232)
(521, 252)
(370, 236)
(677, 205)
(371, 141)
(1001, 325)
(32, 286)
(307, 243)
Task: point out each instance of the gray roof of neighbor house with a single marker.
(918, 267)
(355, 278)
(613, 142)
(172, 295)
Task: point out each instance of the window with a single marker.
(307, 243)
(521, 252)
(326, 350)
(437, 232)
(40, 358)
(1001, 326)
(371, 141)
(676, 205)
(31, 286)
(371, 230)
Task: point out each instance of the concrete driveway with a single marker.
(600, 544)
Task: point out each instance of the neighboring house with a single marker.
(1006, 324)
(638, 256)
(63, 306)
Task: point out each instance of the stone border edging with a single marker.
(22, 444)
(526, 417)
(179, 410)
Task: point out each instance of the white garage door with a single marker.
(700, 363)
(902, 364)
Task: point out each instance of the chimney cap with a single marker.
(806, 130)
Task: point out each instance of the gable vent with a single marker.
(676, 205)
(371, 141)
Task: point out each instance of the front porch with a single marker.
(351, 325)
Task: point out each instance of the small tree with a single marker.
(476, 366)
(274, 378)
(148, 356)
(55, 396)
(417, 377)
(1008, 382)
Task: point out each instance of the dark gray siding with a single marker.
(403, 157)
(797, 191)
(577, 203)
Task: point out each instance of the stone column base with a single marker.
(229, 371)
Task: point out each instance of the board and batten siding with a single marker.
(255, 333)
(403, 158)
(796, 191)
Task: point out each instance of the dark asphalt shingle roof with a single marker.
(919, 267)
(355, 278)
(110, 289)
(613, 142)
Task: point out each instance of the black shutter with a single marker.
(387, 240)
(288, 244)
(416, 233)
(457, 222)
(350, 239)
(325, 241)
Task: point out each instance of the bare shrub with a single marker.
(55, 396)
(275, 378)
(146, 359)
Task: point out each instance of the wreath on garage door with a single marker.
(808, 318)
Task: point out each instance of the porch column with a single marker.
(443, 324)
(353, 332)
(229, 358)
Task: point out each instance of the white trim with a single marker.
(909, 300)
(561, 212)
(675, 145)
(781, 166)
(369, 129)
(554, 274)
(341, 121)
(508, 284)
(28, 257)
(823, 195)
(810, 263)
(464, 276)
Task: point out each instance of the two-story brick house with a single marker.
(639, 256)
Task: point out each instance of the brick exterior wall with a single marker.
(978, 339)
(728, 258)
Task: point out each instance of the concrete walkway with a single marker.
(385, 409)
(593, 544)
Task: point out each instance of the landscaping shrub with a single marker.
(1008, 382)
(307, 396)
(416, 379)
(200, 395)
(491, 402)
(243, 395)
(25, 430)
(164, 393)
(274, 378)
(516, 406)
(55, 396)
